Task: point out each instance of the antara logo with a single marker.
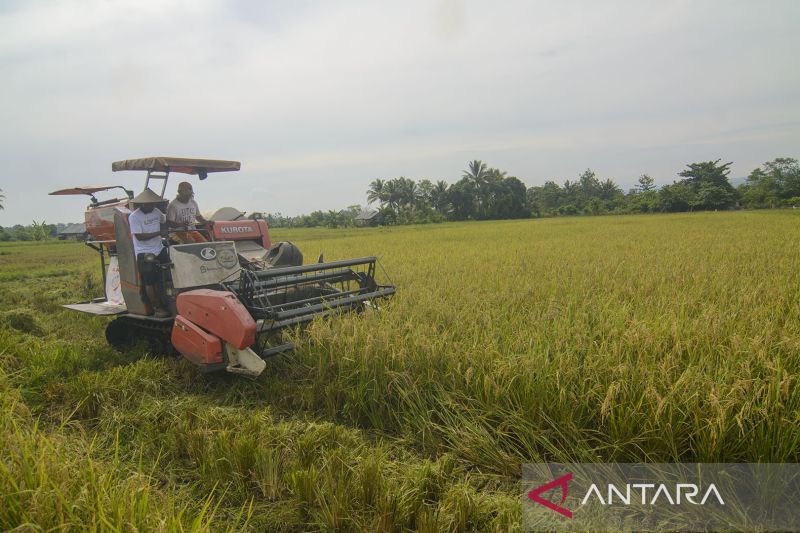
(562, 482)
(648, 494)
(235, 229)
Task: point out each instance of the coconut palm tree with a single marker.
(406, 190)
(391, 194)
(439, 196)
(2, 197)
(477, 170)
(609, 190)
(377, 191)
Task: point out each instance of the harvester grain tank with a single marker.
(228, 298)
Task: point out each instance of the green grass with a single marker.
(660, 338)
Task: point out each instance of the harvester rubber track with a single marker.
(125, 333)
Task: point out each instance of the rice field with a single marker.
(630, 338)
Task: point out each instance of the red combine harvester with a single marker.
(228, 298)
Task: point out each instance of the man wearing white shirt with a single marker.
(146, 229)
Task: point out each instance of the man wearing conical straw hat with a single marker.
(148, 224)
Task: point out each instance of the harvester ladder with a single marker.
(153, 176)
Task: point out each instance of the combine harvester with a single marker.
(228, 298)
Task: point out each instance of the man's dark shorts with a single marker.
(149, 271)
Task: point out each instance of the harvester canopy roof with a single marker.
(84, 189)
(182, 165)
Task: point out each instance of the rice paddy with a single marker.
(627, 338)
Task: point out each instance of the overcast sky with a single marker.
(317, 99)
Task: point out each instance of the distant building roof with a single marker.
(367, 214)
(73, 229)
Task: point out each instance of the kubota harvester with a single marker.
(228, 298)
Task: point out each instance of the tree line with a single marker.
(486, 193)
(37, 231)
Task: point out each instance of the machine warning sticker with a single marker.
(208, 253)
(227, 258)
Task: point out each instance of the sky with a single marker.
(317, 99)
